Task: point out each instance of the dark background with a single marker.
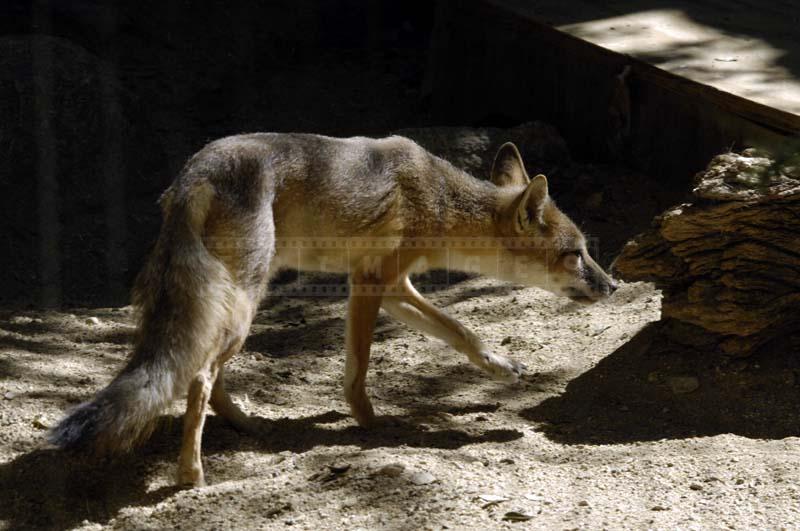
(101, 103)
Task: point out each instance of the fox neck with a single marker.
(476, 208)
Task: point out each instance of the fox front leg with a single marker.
(362, 311)
(413, 309)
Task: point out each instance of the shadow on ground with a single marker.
(48, 488)
(52, 490)
(642, 392)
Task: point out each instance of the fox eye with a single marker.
(572, 259)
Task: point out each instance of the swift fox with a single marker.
(227, 219)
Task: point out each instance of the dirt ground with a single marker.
(604, 430)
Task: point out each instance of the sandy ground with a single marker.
(603, 431)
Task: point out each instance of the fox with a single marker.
(226, 221)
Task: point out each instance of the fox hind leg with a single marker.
(190, 466)
(248, 264)
(256, 269)
(207, 386)
(224, 406)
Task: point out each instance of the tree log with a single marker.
(729, 261)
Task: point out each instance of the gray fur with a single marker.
(209, 269)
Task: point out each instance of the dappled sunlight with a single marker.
(742, 64)
(586, 387)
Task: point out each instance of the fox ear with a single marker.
(531, 207)
(508, 169)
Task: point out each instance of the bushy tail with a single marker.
(184, 296)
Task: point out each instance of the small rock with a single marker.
(92, 321)
(421, 478)
(391, 470)
(583, 503)
(277, 509)
(518, 516)
(10, 395)
(506, 340)
(659, 508)
(339, 468)
(681, 385)
(335, 471)
(599, 330)
(492, 499)
(534, 497)
(21, 319)
(39, 422)
(696, 486)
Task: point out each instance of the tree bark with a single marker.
(729, 261)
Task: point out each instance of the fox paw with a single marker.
(502, 368)
(190, 477)
(361, 409)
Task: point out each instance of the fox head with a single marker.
(541, 246)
